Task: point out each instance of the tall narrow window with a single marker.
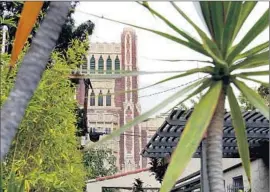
(109, 65)
(92, 99)
(100, 99)
(107, 130)
(84, 66)
(100, 65)
(238, 183)
(92, 64)
(117, 64)
(108, 99)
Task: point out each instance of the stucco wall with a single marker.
(259, 176)
(195, 165)
(125, 181)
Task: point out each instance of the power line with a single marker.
(142, 88)
(136, 135)
(172, 88)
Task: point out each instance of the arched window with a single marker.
(92, 64)
(117, 64)
(84, 66)
(92, 99)
(109, 65)
(108, 99)
(100, 99)
(100, 65)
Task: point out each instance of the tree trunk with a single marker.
(30, 72)
(214, 148)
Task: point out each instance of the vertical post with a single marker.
(204, 176)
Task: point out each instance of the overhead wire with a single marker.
(160, 92)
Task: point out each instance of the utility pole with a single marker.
(4, 29)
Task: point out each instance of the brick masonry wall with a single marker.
(137, 131)
(143, 144)
(120, 86)
(80, 90)
(135, 143)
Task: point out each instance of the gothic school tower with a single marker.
(107, 111)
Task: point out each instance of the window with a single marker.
(84, 66)
(117, 64)
(109, 65)
(93, 130)
(107, 130)
(92, 64)
(100, 99)
(108, 99)
(238, 183)
(92, 99)
(100, 65)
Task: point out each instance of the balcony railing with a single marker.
(232, 188)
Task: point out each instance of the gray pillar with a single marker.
(204, 177)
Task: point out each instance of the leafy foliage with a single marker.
(138, 186)
(10, 11)
(245, 104)
(262, 91)
(44, 153)
(158, 168)
(99, 162)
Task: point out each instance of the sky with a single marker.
(151, 46)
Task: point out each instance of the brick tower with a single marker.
(108, 111)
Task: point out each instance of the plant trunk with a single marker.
(30, 72)
(214, 148)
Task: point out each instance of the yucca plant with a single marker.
(224, 20)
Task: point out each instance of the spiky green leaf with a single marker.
(265, 84)
(207, 83)
(207, 16)
(231, 21)
(258, 60)
(166, 35)
(147, 114)
(192, 135)
(172, 26)
(240, 132)
(254, 98)
(208, 44)
(207, 69)
(247, 7)
(181, 60)
(216, 8)
(254, 50)
(259, 27)
(112, 74)
(253, 73)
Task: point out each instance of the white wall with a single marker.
(124, 181)
(195, 165)
(259, 176)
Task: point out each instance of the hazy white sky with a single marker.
(153, 46)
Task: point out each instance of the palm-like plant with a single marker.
(224, 20)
